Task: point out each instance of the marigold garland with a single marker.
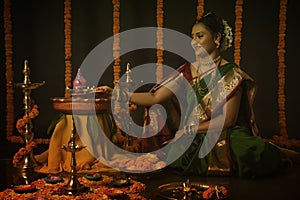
(159, 38)
(116, 55)
(238, 34)
(97, 189)
(120, 139)
(8, 36)
(21, 127)
(281, 68)
(22, 152)
(283, 141)
(68, 45)
(200, 9)
(21, 123)
(116, 42)
(9, 69)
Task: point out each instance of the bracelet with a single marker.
(189, 129)
(121, 95)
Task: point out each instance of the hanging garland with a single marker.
(9, 69)
(134, 145)
(159, 38)
(238, 34)
(200, 9)
(9, 79)
(68, 45)
(281, 68)
(116, 55)
(116, 42)
(282, 139)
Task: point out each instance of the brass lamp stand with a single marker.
(73, 186)
(28, 162)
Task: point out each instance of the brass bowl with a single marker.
(81, 105)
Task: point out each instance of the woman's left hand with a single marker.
(178, 134)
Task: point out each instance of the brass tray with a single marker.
(81, 105)
(175, 191)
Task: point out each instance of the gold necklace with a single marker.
(210, 62)
(204, 87)
(203, 90)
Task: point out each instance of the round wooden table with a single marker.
(81, 105)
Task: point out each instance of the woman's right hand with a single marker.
(104, 89)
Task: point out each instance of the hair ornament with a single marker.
(227, 36)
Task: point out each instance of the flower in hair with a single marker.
(227, 36)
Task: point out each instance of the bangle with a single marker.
(189, 129)
(122, 96)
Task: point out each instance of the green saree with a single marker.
(239, 150)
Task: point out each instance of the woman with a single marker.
(225, 112)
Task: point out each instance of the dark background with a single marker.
(38, 35)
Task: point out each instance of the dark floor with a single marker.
(283, 185)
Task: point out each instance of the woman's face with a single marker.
(203, 41)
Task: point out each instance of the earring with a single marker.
(218, 44)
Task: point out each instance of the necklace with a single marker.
(214, 61)
(210, 62)
(203, 89)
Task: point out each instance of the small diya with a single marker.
(123, 182)
(25, 188)
(115, 193)
(93, 177)
(53, 179)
